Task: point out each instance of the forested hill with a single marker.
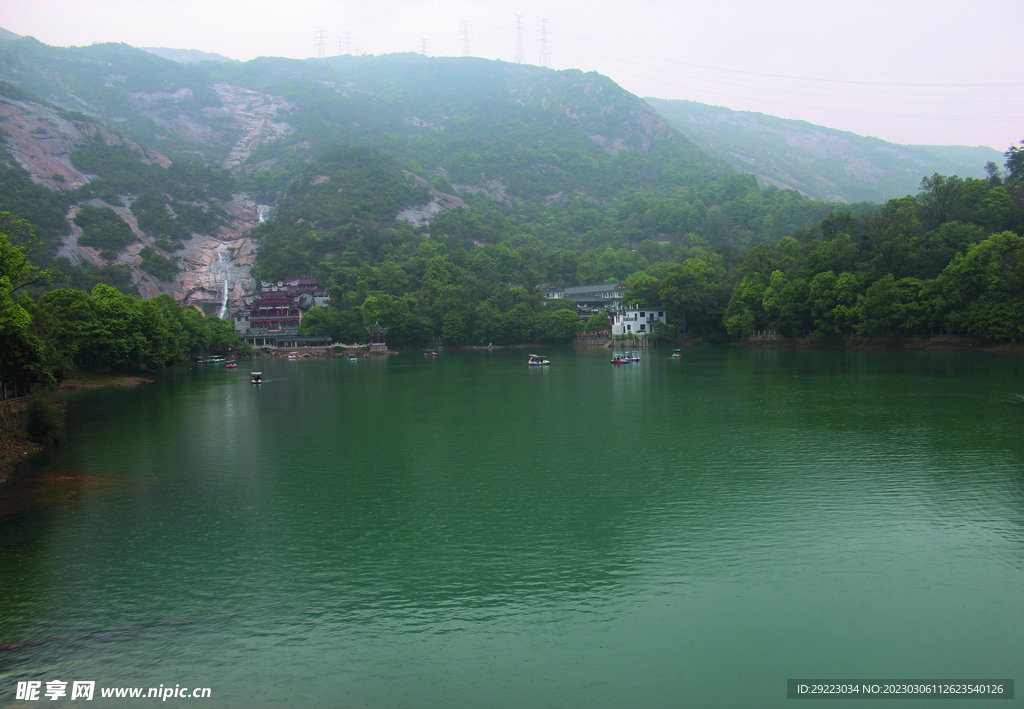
(98, 135)
(820, 162)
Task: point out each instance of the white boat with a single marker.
(538, 361)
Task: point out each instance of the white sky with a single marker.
(936, 72)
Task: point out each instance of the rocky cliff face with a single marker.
(613, 119)
(214, 268)
(42, 139)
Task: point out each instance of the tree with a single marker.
(890, 233)
(984, 289)
(558, 326)
(315, 321)
(17, 243)
(62, 317)
(643, 289)
(598, 322)
(876, 307)
(688, 294)
(1015, 163)
(21, 350)
(129, 333)
(832, 300)
(785, 305)
(746, 310)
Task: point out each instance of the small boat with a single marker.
(256, 378)
(366, 355)
(294, 355)
(230, 365)
(633, 356)
(619, 359)
(538, 361)
(430, 353)
(352, 358)
(675, 354)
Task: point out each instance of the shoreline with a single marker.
(16, 451)
(933, 343)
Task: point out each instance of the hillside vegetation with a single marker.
(146, 170)
(819, 162)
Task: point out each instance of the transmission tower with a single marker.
(344, 43)
(423, 46)
(321, 45)
(545, 50)
(520, 52)
(464, 35)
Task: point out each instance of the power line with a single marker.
(633, 52)
(688, 78)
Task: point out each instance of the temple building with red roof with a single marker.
(273, 316)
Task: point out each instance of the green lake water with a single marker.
(467, 531)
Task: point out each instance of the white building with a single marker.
(637, 321)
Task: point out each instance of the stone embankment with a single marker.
(312, 352)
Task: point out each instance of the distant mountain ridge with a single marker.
(186, 56)
(819, 162)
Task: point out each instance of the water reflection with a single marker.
(467, 530)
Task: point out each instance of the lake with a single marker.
(468, 531)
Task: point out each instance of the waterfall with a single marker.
(221, 267)
(264, 212)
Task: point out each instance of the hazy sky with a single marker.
(934, 72)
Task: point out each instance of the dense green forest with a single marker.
(944, 260)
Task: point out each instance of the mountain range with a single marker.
(819, 162)
(191, 153)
